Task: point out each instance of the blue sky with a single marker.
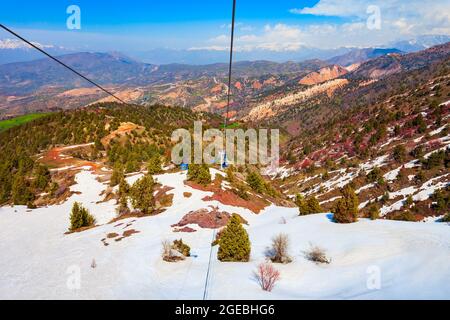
(273, 26)
(101, 13)
(173, 24)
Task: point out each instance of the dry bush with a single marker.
(317, 255)
(280, 247)
(267, 276)
(168, 254)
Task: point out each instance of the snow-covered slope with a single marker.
(39, 261)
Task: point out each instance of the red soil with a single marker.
(185, 229)
(204, 218)
(54, 158)
(227, 197)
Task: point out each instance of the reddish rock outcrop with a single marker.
(205, 218)
(323, 75)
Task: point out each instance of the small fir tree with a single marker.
(374, 212)
(80, 217)
(117, 175)
(154, 165)
(256, 182)
(199, 173)
(141, 194)
(308, 206)
(234, 243)
(346, 208)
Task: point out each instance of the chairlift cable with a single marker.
(61, 63)
(230, 68)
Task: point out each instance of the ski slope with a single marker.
(39, 261)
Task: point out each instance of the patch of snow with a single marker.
(77, 146)
(429, 187)
(421, 194)
(392, 175)
(367, 186)
(388, 142)
(432, 219)
(438, 130)
(330, 200)
(37, 259)
(434, 151)
(280, 172)
(62, 169)
(378, 162)
(131, 179)
(215, 172)
(403, 192)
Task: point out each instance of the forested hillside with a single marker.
(22, 176)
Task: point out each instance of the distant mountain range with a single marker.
(420, 43)
(44, 85)
(361, 55)
(12, 50)
(116, 69)
(202, 56)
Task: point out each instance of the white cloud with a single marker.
(413, 17)
(220, 39)
(210, 48)
(399, 20)
(335, 8)
(278, 38)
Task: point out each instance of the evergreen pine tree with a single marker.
(230, 174)
(20, 191)
(124, 188)
(123, 205)
(313, 205)
(256, 182)
(301, 204)
(154, 165)
(441, 201)
(80, 217)
(308, 206)
(346, 208)
(117, 175)
(141, 194)
(199, 173)
(42, 177)
(234, 244)
(374, 212)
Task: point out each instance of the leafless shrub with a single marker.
(267, 276)
(168, 254)
(283, 220)
(279, 250)
(317, 255)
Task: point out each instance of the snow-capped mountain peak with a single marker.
(18, 44)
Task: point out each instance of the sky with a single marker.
(203, 25)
